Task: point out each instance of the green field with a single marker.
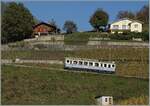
(124, 53)
(42, 86)
(33, 54)
(130, 61)
(125, 69)
(82, 38)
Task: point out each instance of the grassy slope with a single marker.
(82, 38)
(33, 54)
(101, 53)
(40, 86)
(130, 61)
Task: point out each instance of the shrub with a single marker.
(120, 37)
(145, 36)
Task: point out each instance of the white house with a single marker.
(104, 100)
(126, 24)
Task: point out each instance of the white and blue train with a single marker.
(89, 65)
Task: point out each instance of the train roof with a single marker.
(85, 59)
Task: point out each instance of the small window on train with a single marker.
(70, 62)
(90, 64)
(96, 64)
(105, 65)
(86, 63)
(74, 62)
(113, 65)
(109, 66)
(80, 62)
(67, 61)
(101, 65)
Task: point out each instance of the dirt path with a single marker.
(9, 61)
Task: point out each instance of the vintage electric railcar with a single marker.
(89, 65)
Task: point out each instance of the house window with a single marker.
(96, 64)
(124, 27)
(136, 26)
(115, 26)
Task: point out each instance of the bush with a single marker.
(120, 37)
(130, 35)
(145, 36)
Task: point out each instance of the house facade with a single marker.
(126, 24)
(43, 29)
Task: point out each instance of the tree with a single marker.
(17, 22)
(125, 14)
(52, 22)
(70, 27)
(143, 14)
(3, 7)
(99, 19)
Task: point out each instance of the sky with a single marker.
(79, 11)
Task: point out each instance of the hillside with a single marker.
(22, 85)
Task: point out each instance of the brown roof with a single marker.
(43, 23)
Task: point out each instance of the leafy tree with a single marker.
(52, 22)
(3, 7)
(17, 22)
(125, 14)
(99, 19)
(70, 27)
(143, 14)
(36, 21)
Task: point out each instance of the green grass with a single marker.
(124, 53)
(121, 54)
(33, 54)
(82, 38)
(40, 86)
(77, 38)
(130, 61)
(133, 69)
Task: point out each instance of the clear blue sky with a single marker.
(79, 11)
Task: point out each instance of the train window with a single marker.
(113, 65)
(109, 66)
(74, 62)
(67, 61)
(105, 65)
(96, 64)
(101, 65)
(90, 64)
(86, 63)
(80, 62)
(70, 62)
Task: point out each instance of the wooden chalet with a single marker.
(44, 29)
